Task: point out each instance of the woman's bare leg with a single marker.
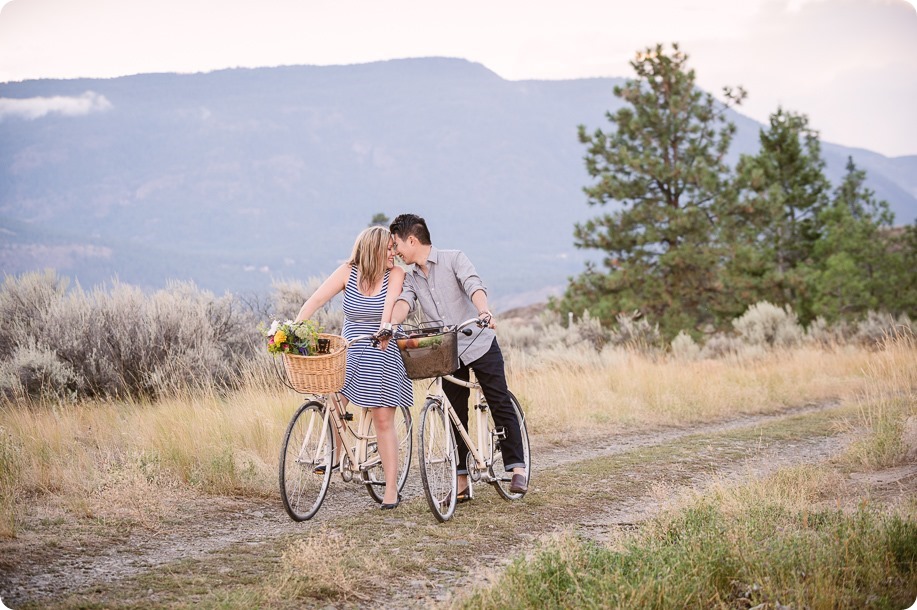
(387, 441)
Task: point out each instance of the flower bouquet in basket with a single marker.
(297, 338)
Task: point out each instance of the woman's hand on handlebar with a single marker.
(382, 337)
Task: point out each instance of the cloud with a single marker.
(37, 107)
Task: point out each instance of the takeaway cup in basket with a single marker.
(429, 353)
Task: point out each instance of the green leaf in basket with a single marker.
(430, 341)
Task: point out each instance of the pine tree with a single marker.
(664, 165)
(859, 263)
(771, 228)
(379, 219)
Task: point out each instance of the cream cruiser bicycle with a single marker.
(431, 351)
(309, 453)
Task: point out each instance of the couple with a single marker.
(379, 295)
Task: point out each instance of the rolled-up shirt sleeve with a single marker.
(408, 293)
(466, 275)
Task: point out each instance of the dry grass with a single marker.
(96, 459)
(103, 459)
(803, 536)
(579, 390)
(331, 564)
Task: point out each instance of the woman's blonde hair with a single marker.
(369, 256)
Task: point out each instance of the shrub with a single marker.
(822, 334)
(121, 342)
(720, 345)
(684, 347)
(288, 296)
(877, 326)
(20, 299)
(635, 333)
(37, 371)
(589, 330)
(764, 324)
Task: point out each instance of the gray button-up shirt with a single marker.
(445, 294)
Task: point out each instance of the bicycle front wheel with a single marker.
(501, 478)
(307, 446)
(437, 456)
(375, 477)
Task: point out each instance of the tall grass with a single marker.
(162, 421)
(121, 459)
(789, 539)
(759, 544)
(579, 389)
(887, 399)
(94, 457)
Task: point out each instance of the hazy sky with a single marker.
(851, 65)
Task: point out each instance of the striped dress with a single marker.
(373, 378)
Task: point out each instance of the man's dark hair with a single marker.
(406, 225)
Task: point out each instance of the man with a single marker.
(447, 287)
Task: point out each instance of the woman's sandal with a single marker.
(384, 506)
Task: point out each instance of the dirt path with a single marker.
(665, 463)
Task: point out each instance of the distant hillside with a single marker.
(233, 177)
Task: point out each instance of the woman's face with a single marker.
(390, 255)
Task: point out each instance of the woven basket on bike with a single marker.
(428, 351)
(319, 374)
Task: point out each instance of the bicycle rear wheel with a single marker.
(437, 456)
(307, 444)
(374, 477)
(501, 478)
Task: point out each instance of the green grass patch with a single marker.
(724, 552)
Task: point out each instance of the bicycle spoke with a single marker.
(307, 444)
(437, 455)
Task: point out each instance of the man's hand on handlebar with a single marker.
(486, 319)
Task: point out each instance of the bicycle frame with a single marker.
(481, 462)
(355, 451)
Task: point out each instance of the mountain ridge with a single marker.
(236, 176)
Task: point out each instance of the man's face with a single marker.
(404, 248)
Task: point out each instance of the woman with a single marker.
(375, 379)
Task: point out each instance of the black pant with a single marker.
(491, 375)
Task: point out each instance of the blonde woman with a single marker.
(374, 378)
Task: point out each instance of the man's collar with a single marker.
(432, 257)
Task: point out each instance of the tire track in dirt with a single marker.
(215, 523)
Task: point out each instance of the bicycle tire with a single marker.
(501, 477)
(301, 488)
(374, 478)
(437, 456)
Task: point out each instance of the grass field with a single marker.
(775, 539)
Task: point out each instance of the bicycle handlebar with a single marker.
(459, 328)
(371, 338)
(479, 321)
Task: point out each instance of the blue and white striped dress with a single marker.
(373, 378)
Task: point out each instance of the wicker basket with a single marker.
(436, 360)
(318, 374)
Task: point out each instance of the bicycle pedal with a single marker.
(499, 433)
